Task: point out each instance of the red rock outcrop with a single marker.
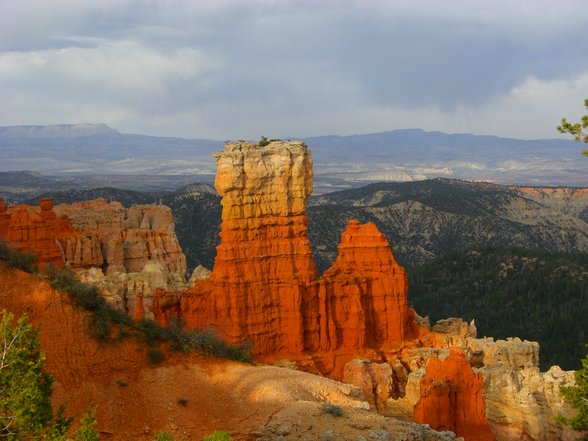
(263, 286)
(264, 265)
(94, 234)
(126, 253)
(35, 230)
(451, 398)
(117, 239)
(361, 301)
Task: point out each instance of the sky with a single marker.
(240, 69)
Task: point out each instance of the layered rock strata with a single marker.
(451, 398)
(264, 288)
(35, 230)
(126, 253)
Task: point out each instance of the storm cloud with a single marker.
(241, 69)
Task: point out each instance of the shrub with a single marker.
(263, 141)
(25, 389)
(121, 383)
(210, 343)
(577, 397)
(332, 409)
(86, 430)
(207, 342)
(13, 258)
(87, 297)
(183, 402)
(155, 356)
(218, 436)
(152, 331)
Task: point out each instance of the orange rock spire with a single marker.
(451, 398)
(264, 264)
(263, 286)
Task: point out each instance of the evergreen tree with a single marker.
(577, 397)
(25, 389)
(577, 130)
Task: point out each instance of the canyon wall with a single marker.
(126, 253)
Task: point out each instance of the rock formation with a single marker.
(117, 239)
(263, 286)
(263, 289)
(35, 230)
(125, 252)
(451, 398)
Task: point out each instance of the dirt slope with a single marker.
(187, 396)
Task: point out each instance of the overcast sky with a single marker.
(233, 69)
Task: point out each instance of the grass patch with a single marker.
(218, 436)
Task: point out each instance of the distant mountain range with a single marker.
(340, 161)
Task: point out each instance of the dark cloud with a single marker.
(196, 68)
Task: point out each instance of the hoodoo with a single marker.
(451, 398)
(264, 288)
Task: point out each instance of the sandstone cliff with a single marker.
(125, 252)
(35, 230)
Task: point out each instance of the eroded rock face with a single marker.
(451, 398)
(117, 239)
(124, 252)
(263, 285)
(361, 301)
(35, 230)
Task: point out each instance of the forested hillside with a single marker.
(509, 292)
(426, 219)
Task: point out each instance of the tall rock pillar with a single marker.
(264, 263)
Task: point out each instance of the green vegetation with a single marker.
(263, 141)
(86, 430)
(182, 340)
(85, 296)
(577, 397)
(332, 409)
(25, 389)
(105, 319)
(15, 259)
(510, 292)
(578, 130)
(155, 356)
(218, 436)
(164, 436)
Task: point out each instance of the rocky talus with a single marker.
(126, 253)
